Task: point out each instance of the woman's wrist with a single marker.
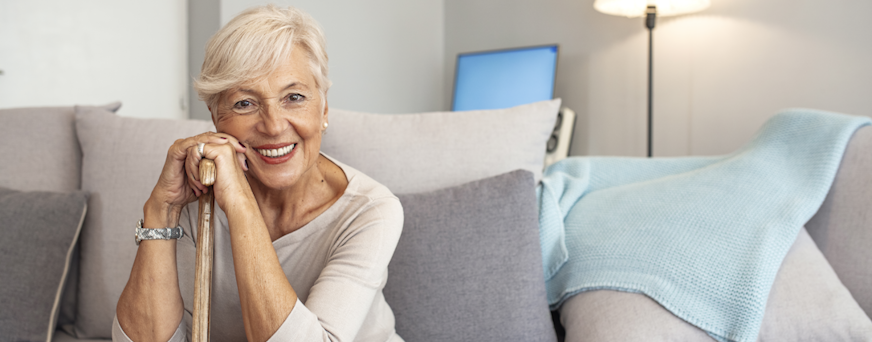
(157, 214)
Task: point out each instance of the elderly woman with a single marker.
(303, 243)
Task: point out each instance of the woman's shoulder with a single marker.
(360, 184)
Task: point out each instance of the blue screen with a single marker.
(503, 79)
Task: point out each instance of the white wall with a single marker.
(718, 74)
(386, 56)
(59, 53)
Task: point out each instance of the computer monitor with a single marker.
(504, 78)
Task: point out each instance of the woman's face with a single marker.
(279, 119)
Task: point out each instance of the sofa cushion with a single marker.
(468, 265)
(842, 227)
(39, 232)
(121, 161)
(429, 151)
(807, 303)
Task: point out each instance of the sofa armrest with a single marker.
(842, 227)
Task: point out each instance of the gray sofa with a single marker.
(468, 265)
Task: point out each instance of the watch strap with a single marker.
(157, 233)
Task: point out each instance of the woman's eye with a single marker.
(295, 98)
(242, 104)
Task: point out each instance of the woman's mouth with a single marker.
(276, 154)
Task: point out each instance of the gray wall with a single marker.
(386, 56)
(718, 74)
(60, 53)
(204, 19)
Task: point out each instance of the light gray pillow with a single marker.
(39, 232)
(468, 265)
(429, 151)
(56, 142)
(122, 159)
(807, 303)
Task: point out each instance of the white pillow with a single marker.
(429, 151)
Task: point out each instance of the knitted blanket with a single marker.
(703, 236)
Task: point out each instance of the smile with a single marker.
(276, 152)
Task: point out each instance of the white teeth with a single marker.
(277, 152)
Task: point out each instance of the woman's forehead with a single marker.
(295, 74)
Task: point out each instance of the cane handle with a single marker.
(207, 172)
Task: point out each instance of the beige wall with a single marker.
(719, 74)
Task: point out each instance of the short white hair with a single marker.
(256, 42)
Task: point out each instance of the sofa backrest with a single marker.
(122, 158)
(842, 227)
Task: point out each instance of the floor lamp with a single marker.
(650, 9)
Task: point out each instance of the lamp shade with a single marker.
(636, 8)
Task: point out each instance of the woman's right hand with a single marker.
(179, 185)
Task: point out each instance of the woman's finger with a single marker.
(238, 146)
(192, 168)
(242, 161)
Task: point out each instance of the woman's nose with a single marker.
(273, 122)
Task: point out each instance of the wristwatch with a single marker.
(157, 233)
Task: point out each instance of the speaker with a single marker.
(558, 144)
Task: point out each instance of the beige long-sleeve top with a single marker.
(337, 264)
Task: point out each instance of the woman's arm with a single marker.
(265, 294)
(150, 307)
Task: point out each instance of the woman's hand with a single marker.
(179, 182)
(230, 165)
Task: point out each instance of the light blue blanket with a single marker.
(703, 236)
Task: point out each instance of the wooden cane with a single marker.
(205, 247)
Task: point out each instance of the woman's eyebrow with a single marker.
(295, 84)
(289, 86)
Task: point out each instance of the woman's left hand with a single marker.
(230, 165)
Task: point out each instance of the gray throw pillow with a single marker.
(807, 303)
(40, 230)
(428, 151)
(468, 265)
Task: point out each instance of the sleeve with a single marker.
(343, 295)
(118, 334)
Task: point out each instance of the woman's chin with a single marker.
(274, 179)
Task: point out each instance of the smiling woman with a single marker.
(295, 226)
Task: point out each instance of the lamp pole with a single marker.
(650, 20)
